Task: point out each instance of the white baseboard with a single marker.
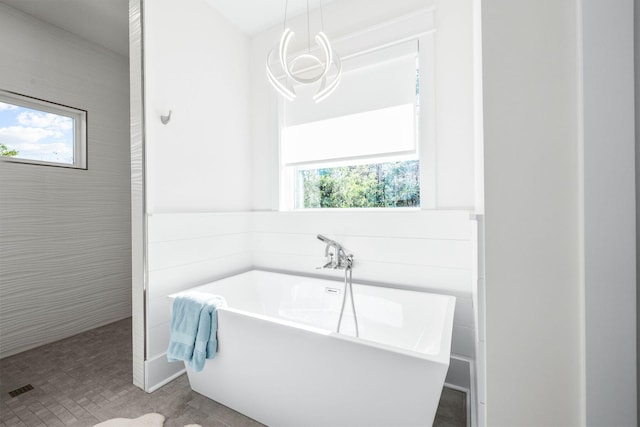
(159, 371)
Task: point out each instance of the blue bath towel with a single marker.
(194, 325)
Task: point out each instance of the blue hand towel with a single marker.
(194, 325)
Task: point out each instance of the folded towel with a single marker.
(194, 325)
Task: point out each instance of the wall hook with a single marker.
(165, 119)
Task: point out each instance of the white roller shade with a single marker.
(371, 113)
(372, 81)
(388, 131)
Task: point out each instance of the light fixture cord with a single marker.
(286, 5)
(321, 18)
(308, 30)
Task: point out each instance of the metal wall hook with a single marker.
(165, 119)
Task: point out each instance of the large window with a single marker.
(40, 132)
(359, 147)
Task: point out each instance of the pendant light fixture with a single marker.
(306, 68)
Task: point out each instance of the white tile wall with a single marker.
(174, 227)
(420, 249)
(187, 250)
(445, 225)
(65, 234)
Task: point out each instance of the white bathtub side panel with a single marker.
(284, 376)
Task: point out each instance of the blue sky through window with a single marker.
(36, 135)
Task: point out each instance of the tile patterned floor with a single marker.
(86, 379)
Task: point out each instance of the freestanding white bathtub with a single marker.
(281, 362)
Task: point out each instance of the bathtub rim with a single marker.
(340, 279)
(440, 357)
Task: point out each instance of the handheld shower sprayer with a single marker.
(326, 240)
(339, 258)
(342, 260)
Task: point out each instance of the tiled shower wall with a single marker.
(65, 234)
(433, 251)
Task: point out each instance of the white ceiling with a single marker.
(106, 22)
(253, 16)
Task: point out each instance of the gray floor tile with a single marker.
(86, 379)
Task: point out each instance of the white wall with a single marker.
(609, 212)
(451, 180)
(533, 290)
(187, 250)
(636, 44)
(197, 66)
(456, 149)
(559, 182)
(64, 233)
(138, 196)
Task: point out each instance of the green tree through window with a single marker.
(378, 185)
(7, 152)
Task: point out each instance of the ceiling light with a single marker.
(306, 68)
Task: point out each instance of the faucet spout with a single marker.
(338, 258)
(330, 244)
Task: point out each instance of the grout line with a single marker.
(200, 237)
(234, 254)
(365, 236)
(368, 261)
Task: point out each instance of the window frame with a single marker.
(288, 171)
(425, 117)
(78, 116)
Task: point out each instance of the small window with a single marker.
(359, 147)
(40, 132)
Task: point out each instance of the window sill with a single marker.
(41, 163)
(351, 210)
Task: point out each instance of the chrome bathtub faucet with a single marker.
(338, 259)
